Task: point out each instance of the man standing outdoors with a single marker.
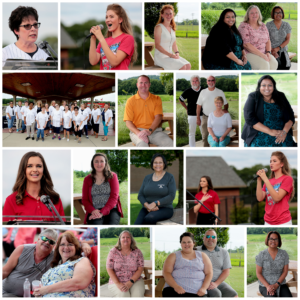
(143, 115)
(51, 110)
(23, 112)
(18, 116)
(192, 95)
(10, 116)
(220, 260)
(207, 103)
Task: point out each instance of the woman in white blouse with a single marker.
(96, 119)
(219, 125)
(29, 120)
(56, 121)
(108, 121)
(67, 116)
(78, 121)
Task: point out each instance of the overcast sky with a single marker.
(188, 76)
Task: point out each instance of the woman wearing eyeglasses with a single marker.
(23, 22)
(272, 267)
(33, 181)
(210, 199)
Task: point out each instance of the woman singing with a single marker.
(278, 190)
(210, 198)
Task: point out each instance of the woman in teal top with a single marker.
(157, 193)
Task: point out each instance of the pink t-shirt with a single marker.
(256, 37)
(124, 266)
(123, 42)
(277, 213)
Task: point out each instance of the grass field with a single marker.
(188, 48)
(285, 82)
(136, 206)
(123, 131)
(77, 188)
(256, 243)
(107, 244)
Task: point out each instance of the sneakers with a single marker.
(37, 139)
(53, 137)
(79, 142)
(63, 138)
(73, 134)
(42, 139)
(32, 138)
(76, 139)
(67, 140)
(59, 138)
(27, 138)
(17, 130)
(50, 131)
(87, 136)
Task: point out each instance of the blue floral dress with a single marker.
(66, 271)
(273, 120)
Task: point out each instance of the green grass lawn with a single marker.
(108, 243)
(123, 191)
(123, 131)
(256, 243)
(285, 82)
(236, 280)
(136, 206)
(188, 48)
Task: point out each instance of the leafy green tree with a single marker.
(295, 231)
(240, 214)
(264, 7)
(182, 84)
(204, 6)
(222, 234)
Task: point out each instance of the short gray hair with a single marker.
(50, 232)
(195, 76)
(210, 229)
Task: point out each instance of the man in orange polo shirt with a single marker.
(143, 114)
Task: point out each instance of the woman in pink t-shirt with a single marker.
(118, 49)
(278, 190)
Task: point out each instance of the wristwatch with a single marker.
(150, 129)
(279, 47)
(278, 283)
(131, 280)
(268, 52)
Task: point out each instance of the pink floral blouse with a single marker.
(124, 266)
(256, 37)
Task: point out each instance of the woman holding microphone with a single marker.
(278, 190)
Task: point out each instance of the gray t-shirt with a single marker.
(100, 194)
(219, 258)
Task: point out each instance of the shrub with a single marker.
(182, 125)
(209, 19)
(265, 8)
(240, 214)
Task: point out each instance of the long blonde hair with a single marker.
(125, 26)
(161, 20)
(246, 18)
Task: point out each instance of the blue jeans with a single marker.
(40, 132)
(213, 143)
(105, 128)
(10, 121)
(145, 217)
(23, 126)
(86, 130)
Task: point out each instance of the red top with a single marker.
(277, 213)
(113, 200)
(30, 207)
(123, 42)
(209, 203)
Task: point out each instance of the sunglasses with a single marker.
(45, 239)
(28, 26)
(211, 236)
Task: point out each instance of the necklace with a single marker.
(157, 178)
(125, 253)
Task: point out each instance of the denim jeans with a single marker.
(10, 121)
(23, 126)
(86, 130)
(145, 217)
(40, 132)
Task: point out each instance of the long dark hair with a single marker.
(46, 181)
(210, 186)
(275, 95)
(222, 25)
(106, 172)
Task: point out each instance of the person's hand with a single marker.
(244, 59)
(271, 289)
(240, 62)
(86, 248)
(9, 117)
(222, 139)
(128, 284)
(96, 214)
(174, 56)
(143, 136)
(262, 174)
(40, 291)
(212, 286)
(156, 208)
(274, 132)
(177, 54)
(274, 52)
(96, 30)
(215, 139)
(179, 290)
(281, 138)
(44, 126)
(216, 221)
(201, 292)
(198, 121)
(267, 57)
(204, 198)
(151, 206)
(122, 287)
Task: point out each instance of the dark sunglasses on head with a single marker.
(45, 239)
(211, 236)
(28, 26)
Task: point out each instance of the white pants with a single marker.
(258, 63)
(192, 120)
(287, 223)
(137, 290)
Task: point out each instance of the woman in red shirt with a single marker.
(210, 198)
(118, 50)
(278, 190)
(33, 181)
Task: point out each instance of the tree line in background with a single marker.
(219, 5)
(266, 230)
(225, 83)
(188, 22)
(114, 232)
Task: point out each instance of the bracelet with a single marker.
(177, 52)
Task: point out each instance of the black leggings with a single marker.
(78, 132)
(96, 128)
(205, 219)
(283, 293)
(112, 219)
(145, 217)
(169, 292)
(282, 62)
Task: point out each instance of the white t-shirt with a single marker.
(12, 51)
(23, 111)
(30, 115)
(10, 111)
(108, 114)
(67, 116)
(42, 118)
(88, 110)
(51, 109)
(207, 100)
(18, 112)
(96, 113)
(85, 114)
(78, 119)
(62, 108)
(56, 117)
(219, 125)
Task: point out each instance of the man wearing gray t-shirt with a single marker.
(221, 266)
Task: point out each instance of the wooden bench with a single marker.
(234, 139)
(147, 278)
(77, 200)
(148, 47)
(177, 218)
(161, 283)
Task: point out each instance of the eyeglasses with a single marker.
(273, 240)
(67, 245)
(278, 13)
(29, 26)
(210, 80)
(45, 239)
(211, 236)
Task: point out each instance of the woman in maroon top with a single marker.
(210, 198)
(33, 181)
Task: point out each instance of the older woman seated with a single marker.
(71, 275)
(187, 273)
(280, 35)
(272, 266)
(219, 125)
(269, 117)
(124, 265)
(257, 41)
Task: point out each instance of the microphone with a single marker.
(256, 176)
(101, 27)
(44, 45)
(47, 201)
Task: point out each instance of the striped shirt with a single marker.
(189, 274)
(12, 51)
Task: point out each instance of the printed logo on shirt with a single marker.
(270, 200)
(161, 186)
(105, 63)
